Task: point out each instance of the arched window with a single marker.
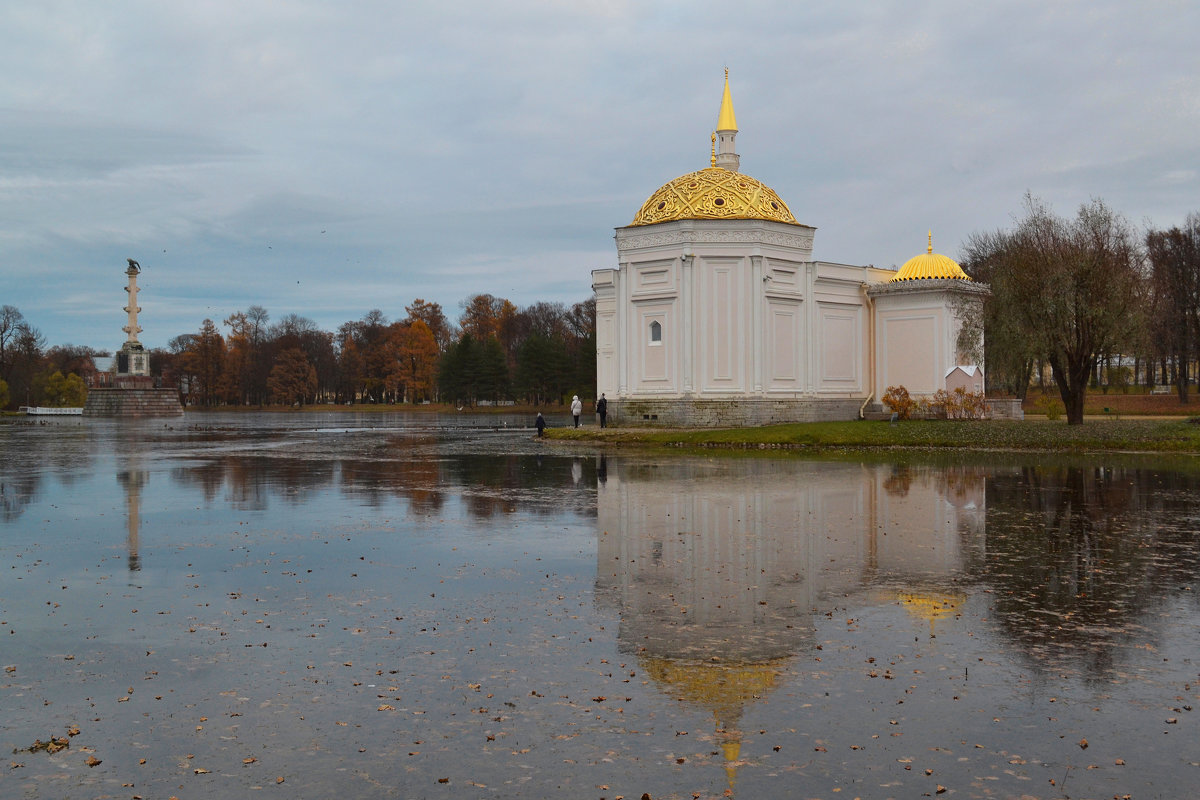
(655, 332)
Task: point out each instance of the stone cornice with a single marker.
(637, 238)
(953, 285)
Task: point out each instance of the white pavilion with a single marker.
(716, 313)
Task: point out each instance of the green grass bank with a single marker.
(1101, 435)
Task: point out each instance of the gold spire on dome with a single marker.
(726, 121)
(718, 192)
(930, 265)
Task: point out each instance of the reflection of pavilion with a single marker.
(717, 568)
(133, 480)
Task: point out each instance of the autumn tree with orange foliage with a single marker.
(292, 378)
(204, 361)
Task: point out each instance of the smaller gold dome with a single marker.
(714, 193)
(930, 265)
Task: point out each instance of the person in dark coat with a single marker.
(602, 410)
(540, 424)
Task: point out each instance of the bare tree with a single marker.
(1009, 354)
(1175, 286)
(12, 321)
(1072, 288)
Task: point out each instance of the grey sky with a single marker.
(328, 158)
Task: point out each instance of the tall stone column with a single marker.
(132, 358)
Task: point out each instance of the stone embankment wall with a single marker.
(729, 413)
(1006, 408)
(133, 403)
(748, 413)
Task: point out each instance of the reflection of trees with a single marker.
(491, 484)
(31, 449)
(503, 484)
(16, 492)
(961, 483)
(1078, 555)
(208, 477)
(250, 481)
(418, 481)
(900, 481)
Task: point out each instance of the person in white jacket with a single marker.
(576, 409)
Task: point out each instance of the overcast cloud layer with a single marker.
(328, 158)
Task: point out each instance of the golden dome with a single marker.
(714, 193)
(930, 265)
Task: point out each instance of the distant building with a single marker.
(717, 314)
(98, 372)
(968, 378)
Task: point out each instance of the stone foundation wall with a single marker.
(1006, 408)
(692, 413)
(132, 403)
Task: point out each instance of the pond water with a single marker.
(309, 606)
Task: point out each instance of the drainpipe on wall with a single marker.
(870, 304)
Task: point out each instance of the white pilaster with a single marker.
(758, 286)
(686, 335)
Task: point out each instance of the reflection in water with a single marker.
(748, 601)
(718, 573)
(133, 479)
(17, 490)
(1081, 556)
(24, 459)
(490, 486)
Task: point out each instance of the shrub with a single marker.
(1053, 409)
(959, 404)
(940, 404)
(971, 405)
(896, 398)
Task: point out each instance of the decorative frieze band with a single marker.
(678, 237)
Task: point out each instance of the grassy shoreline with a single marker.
(1098, 434)
(1104, 435)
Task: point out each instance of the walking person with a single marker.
(576, 409)
(540, 424)
(602, 410)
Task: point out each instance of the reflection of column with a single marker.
(133, 480)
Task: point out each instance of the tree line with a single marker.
(1084, 298)
(496, 352)
(1089, 300)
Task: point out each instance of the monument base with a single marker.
(132, 401)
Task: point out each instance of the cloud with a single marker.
(324, 159)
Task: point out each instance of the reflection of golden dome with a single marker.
(724, 689)
(930, 265)
(714, 193)
(715, 686)
(931, 606)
